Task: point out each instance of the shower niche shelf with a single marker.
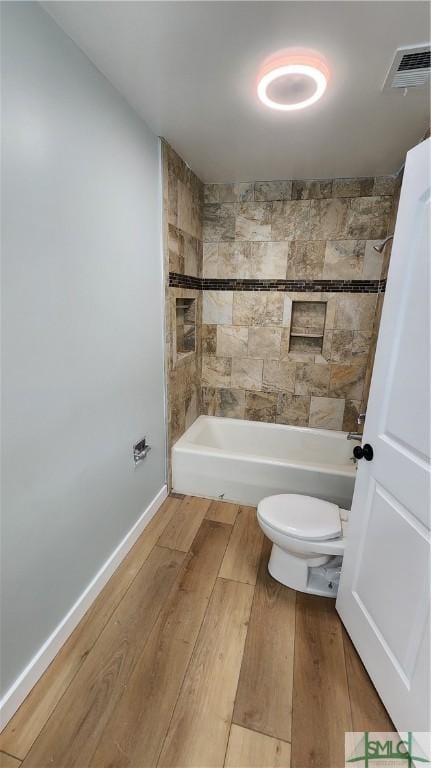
(307, 327)
(185, 326)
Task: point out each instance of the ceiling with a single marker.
(189, 69)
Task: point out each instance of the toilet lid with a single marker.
(303, 517)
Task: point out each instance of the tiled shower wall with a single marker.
(245, 252)
(182, 202)
(266, 245)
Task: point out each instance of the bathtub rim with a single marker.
(185, 445)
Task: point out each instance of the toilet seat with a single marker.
(301, 517)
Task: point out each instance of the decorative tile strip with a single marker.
(177, 280)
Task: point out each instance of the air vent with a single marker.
(410, 67)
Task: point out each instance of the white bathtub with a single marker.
(244, 461)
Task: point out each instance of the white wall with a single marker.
(82, 354)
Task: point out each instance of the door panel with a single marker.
(384, 589)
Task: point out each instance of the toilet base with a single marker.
(301, 572)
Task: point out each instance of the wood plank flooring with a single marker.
(194, 656)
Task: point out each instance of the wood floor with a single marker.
(194, 656)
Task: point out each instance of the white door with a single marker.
(383, 598)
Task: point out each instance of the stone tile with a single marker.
(311, 189)
(210, 260)
(331, 310)
(350, 418)
(308, 317)
(264, 342)
(373, 261)
(261, 406)
(258, 308)
(172, 199)
(192, 260)
(306, 259)
(359, 187)
(355, 312)
(279, 376)
(290, 220)
(184, 207)
(385, 185)
(269, 260)
(235, 192)
(344, 259)
(253, 221)
(312, 379)
(272, 190)
(176, 249)
(293, 409)
(347, 379)
(361, 343)
(287, 311)
(341, 346)
(211, 193)
(216, 371)
(232, 341)
(234, 260)
(328, 219)
(223, 402)
(247, 373)
(209, 339)
(369, 217)
(219, 222)
(326, 412)
(217, 307)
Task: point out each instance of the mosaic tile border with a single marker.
(177, 280)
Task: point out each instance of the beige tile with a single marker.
(350, 418)
(328, 219)
(311, 189)
(209, 339)
(211, 193)
(223, 402)
(232, 341)
(306, 259)
(312, 378)
(216, 371)
(261, 406)
(258, 308)
(308, 317)
(373, 261)
(341, 346)
(347, 379)
(361, 342)
(293, 409)
(279, 376)
(272, 190)
(385, 185)
(234, 260)
(217, 307)
(269, 260)
(359, 187)
(253, 221)
(210, 260)
(290, 220)
(184, 207)
(344, 259)
(287, 311)
(355, 312)
(264, 342)
(234, 192)
(192, 265)
(219, 222)
(326, 412)
(369, 217)
(247, 373)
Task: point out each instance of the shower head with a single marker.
(381, 246)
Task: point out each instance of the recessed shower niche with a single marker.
(307, 326)
(185, 326)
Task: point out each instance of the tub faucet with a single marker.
(355, 436)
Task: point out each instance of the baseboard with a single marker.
(22, 686)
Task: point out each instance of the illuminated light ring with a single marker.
(292, 69)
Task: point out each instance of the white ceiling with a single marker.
(189, 69)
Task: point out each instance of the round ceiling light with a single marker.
(293, 77)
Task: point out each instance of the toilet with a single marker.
(308, 536)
